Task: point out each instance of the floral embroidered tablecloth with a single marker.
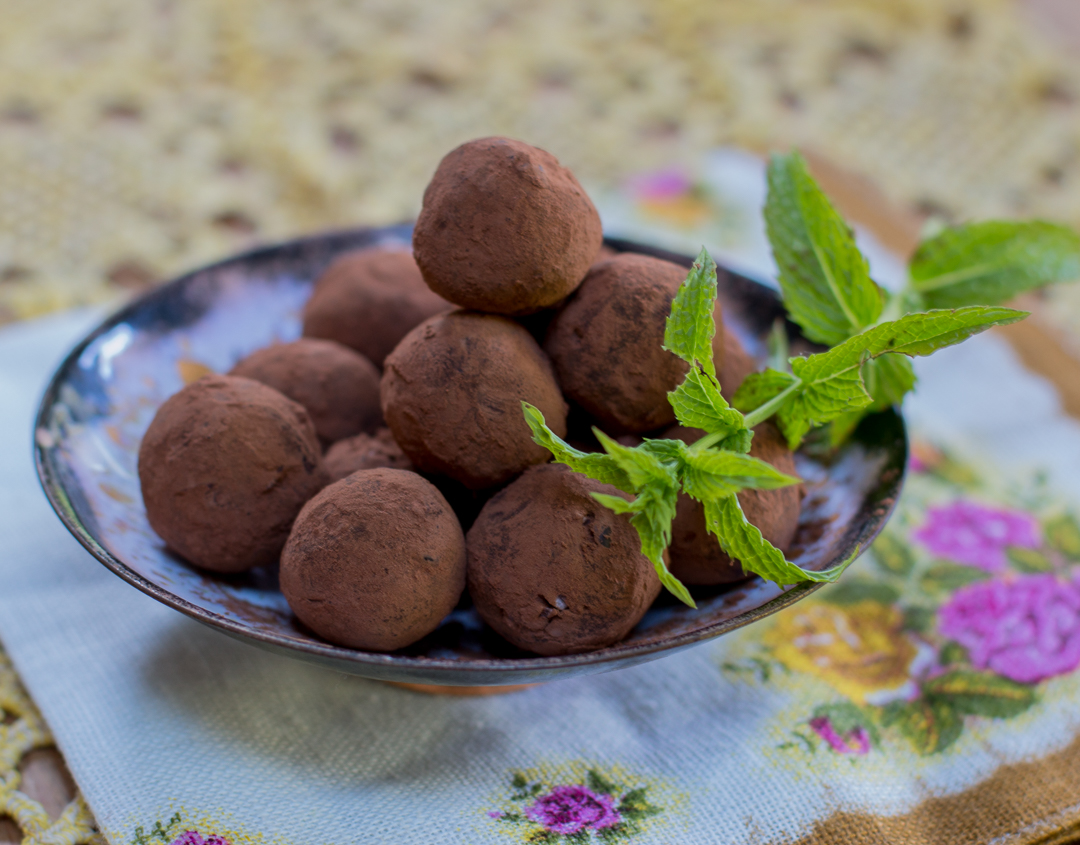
(930, 696)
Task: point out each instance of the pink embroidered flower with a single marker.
(1026, 628)
(193, 837)
(974, 534)
(856, 741)
(660, 186)
(572, 809)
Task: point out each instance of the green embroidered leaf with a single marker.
(919, 619)
(892, 554)
(708, 473)
(690, 327)
(930, 724)
(599, 784)
(953, 653)
(1063, 534)
(698, 404)
(741, 540)
(852, 591)
(945, 577)
(990, 262)
(597, 466)
(1028, 560)
(846, 716)
(981, 693)
(825, 279)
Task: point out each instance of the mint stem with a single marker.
(763, 412)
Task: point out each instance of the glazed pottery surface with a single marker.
(103, 396)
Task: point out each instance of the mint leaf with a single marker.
(825, 279)
(829, 385)
(595, 465)
(708, 473)
(690, 327)
(744, 543)
(698, 404)
(888, 380)
(990, 262)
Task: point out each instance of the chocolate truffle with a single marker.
(695, 554)
(365, 451)
(607, 343)
(337, 386)
(737, 363)
(225, 466)
(369, 299)
(554, 571)
(505, 228)
(452, 393)
(375, 561)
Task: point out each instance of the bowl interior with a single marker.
(104, 395)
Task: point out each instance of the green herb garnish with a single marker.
(828, 291)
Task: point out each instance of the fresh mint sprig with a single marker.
(828, 291)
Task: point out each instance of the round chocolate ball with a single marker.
(225, 467)
(505, 228)
(375, 561)
(607, 343)
(368, 300)
(365, 451)
(554, 571)
(695, 554)
(337, 386)
(452, 393)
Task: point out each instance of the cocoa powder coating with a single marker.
(369, 299)
(365, 451)
(225, 466)
(452, 393)
(606, 343)
(554, 571)
(375, 561)
(505, 228)
(338, 386)
(695, 554)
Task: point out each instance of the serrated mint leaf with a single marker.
(690, 327)
(825, 279)
(595, 465)
(642, 466)
(709, 473)
(843, 426)
(759, 388)
(665, 450)
(744, 543)
(740, 441)
(990, 262)
(698, 404)
(831, 384)
(888, 380)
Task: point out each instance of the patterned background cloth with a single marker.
(139, 140)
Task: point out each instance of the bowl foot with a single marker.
(435, 689)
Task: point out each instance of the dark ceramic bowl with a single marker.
(103, 396)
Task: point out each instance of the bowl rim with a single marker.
(622, 653)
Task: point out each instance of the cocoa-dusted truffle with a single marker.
(375, 561)
(369, 299)
(452, 393)
(225, 466)
(365, 451)
(505, 228)
(554, 571)
(337, 386)
(606, 343)
(695, 554)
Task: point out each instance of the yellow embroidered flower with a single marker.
(861, 649)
